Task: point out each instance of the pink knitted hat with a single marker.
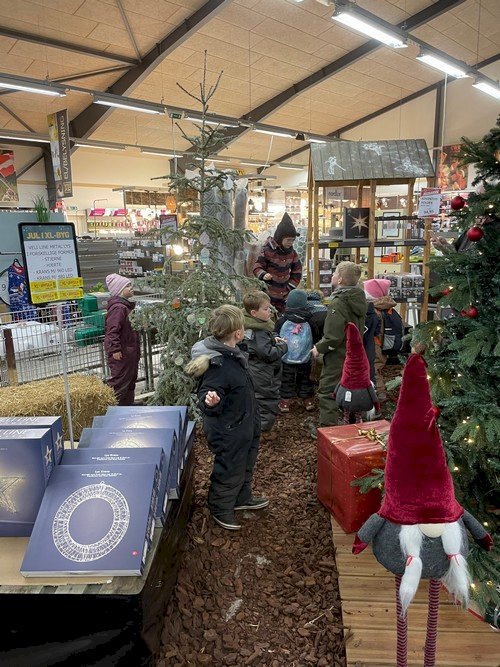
(377, 287)
(116, 284)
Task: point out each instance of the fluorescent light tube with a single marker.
(488, 88)
(295, 167)
(255, 164)
(370, 28)
(152, 151)
(210, 121)
(214, 159)
(276, 133)
(128, 103)
(116, 147)
(32, 139)
(316, 141)
(26, 85)
(443, 65)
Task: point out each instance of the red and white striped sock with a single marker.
(402, 630)
(432, 623)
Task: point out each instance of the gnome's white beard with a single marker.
(456, 580)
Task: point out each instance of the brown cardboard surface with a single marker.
(11, 556)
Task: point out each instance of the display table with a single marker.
(92, 621)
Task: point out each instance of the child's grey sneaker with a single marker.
(227, 521)
(254, 504)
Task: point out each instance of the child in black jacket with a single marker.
(231, 420)
(265, 350)
(296, 381)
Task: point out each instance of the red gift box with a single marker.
(343, 456)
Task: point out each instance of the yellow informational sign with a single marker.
(51, 262)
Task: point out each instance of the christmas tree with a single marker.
(463, 354)
(211, 240)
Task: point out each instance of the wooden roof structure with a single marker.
(344, 162)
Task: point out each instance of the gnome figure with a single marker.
(420, 530)
(355, 394)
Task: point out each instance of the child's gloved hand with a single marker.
(117, 356)
(212, 398)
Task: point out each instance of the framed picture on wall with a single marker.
(389, 225)
(356, 223)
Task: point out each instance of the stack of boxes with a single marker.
(405, 287)
(93, 319)
(325, 276)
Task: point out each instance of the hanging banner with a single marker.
(451, 174)
(51, 262)
(60, 151)
(429, 202)
(8, 178)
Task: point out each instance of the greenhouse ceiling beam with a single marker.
(93, 115)
(272, 105)
(386, 109)
(65, 46)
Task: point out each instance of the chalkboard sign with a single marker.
(51, 261)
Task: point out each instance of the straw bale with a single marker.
(89, 397)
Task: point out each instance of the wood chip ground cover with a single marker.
(268, 594)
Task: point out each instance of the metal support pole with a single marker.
(64, 364)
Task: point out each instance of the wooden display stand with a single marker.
(367, 164)
(92, 620)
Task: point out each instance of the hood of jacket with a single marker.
(205, 351)
(384, 303)
(353, 297)
(119, 300)
(257, 325)
(298, 315)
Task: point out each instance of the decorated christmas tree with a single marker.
(463, 354)
(211, 240)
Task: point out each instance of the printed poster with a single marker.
(451, 176)
(60, 152)
(8, 178)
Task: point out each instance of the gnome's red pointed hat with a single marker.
(418, 484)
(356, 370)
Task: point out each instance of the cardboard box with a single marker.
(343, 456)
(26, 463)
(54, 423)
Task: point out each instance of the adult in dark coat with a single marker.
(278, 265)
(121, 341)
(372, 328)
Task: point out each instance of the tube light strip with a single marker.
(368, 27)
(87, 144)
(276, 133)
(33, 138)
(26, 85)
(295, 167)
(152, 151)
(443, 65)
(488, 88)
(129, 104)
(210, 121)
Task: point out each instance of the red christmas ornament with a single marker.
(175, 303)
(457, 203)
(471, 312)
(475, 234)
(446, 291)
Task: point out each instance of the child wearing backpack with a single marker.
(389, 340)
(265, 350)
(301, 326)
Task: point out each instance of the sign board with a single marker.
(429, 203)
(51, 261)
(60, 152)
(168, 226)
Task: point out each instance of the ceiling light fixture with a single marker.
(276, 133)
(210, 121)
(32, 138)
(488, 87)
(129, 104)
(255, 164)
(443, 64)
(350, 16)
(295, 167)
(213, 159)
(24, 84)
(159, 152)
(101, 146)
(313, 140)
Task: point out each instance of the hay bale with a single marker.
(89, 397)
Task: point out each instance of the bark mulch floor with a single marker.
(268, 594)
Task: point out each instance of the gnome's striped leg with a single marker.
(358, 416)
(347, 416)
(402, 629)
(432, 623)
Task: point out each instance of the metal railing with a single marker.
(32, 343)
